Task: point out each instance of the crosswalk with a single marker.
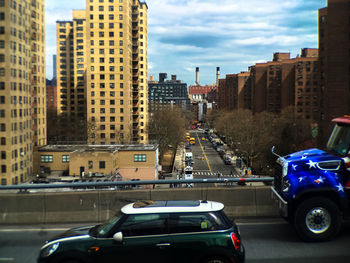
(210, 174)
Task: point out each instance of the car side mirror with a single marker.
(118, 237)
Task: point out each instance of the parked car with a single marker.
(227, 161)
(152, 231)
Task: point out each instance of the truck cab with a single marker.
(312, 187)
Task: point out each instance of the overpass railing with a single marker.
(123, 184)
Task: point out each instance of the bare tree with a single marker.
(167, 127)
(252, 136)
(295, 131)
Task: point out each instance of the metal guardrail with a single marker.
(131, 183)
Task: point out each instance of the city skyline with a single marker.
(185, 34)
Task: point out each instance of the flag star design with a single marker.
(340, 188)
(303, 157)
(311, 164)
(320, 180)
(301, 179)
(294, 166)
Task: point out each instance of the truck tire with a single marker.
(317, 219)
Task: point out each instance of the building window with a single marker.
(91, 164)
(139, 157)
(65, 158)
(102, 164)
(46, 158)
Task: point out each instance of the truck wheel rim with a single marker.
(318, 220)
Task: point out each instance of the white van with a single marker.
(188, 175)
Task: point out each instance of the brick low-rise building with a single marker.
(128, 161)
(275, 85)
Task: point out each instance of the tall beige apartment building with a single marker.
(102, 70)
(22, 87)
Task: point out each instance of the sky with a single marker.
(230, 34)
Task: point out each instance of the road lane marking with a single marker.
(205, 156)
(7, 259)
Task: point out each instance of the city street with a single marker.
(265, 241)
(207, 162)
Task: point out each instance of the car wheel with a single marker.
(317, 219)
(215, 259)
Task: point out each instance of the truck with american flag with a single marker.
(312, 187)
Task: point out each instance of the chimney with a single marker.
(197, 76)
(217, 75)
(162, 77)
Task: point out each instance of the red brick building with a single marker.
(199, 93)
(51, 96)
(275, 85)
(334, 45)
(235, 91)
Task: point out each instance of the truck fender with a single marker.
(327, 192)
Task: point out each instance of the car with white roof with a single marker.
(152, 231)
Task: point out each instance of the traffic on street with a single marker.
(208, 160)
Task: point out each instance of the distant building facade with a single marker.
(199, 93)
(54, 69)
(129, 161)
(334, 43)
(102, 70)
(165, 93)
(22, 87)
(51, 97)
(275, 85)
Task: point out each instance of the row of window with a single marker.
(110, 16)
(111, 136)
(110, 8)
(111, 102)
(112, 110)
(49, 158)
(15, 167)
(111, 68)
(65, 159)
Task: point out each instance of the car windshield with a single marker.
(339, 140)
(102, 229)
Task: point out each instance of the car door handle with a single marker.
(163, 245)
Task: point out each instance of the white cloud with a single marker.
(235, 34)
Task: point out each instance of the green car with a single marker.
(152, 231)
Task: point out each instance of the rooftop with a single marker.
(94, 148)
(142, 207)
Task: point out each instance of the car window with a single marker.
(196, 222)
(108, 225)
(145, 224)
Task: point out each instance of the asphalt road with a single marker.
(207, 161)
(265, 241)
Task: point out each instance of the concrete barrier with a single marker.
(97, 206)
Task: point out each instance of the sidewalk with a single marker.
(178, 162)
